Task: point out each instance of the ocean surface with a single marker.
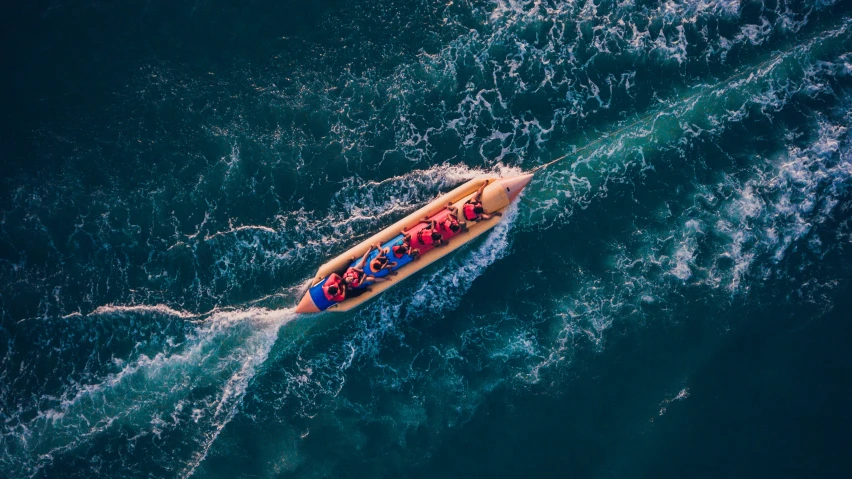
(671, 300)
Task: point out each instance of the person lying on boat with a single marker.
(334, 288)
(429, 236)
(400, 250)
(473, 209)
(354, 276)
(451, 225)
(381, 262)
(444, 224)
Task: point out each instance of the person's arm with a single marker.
(382, 251)
(427, 221)
(462, 223)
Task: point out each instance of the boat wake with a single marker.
(194, 386)
(707, 173)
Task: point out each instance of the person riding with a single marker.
(354, 275)
(430, 236)
(400, 250)
(334, 288)
(381, 261)
(451, 225)
(473, 209)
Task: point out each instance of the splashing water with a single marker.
(160, 216)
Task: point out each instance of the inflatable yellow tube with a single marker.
(496, 197)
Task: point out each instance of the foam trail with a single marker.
(193, 391)
(739, 233)
(158, 308)
(767, 86)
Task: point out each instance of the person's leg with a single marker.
(478, 194)
(363, 261)
(390, 267)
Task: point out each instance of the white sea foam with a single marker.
(152, 394)
(739, 233)
(681, 395)
(140, 308)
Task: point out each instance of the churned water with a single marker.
(670, 300)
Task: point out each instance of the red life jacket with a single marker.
(353, 277)
(399, 251)
(424, 236)
(333, 280)
(469, 214)
(449, 221)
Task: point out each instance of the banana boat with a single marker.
(411, 244)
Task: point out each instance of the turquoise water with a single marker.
(670, 300)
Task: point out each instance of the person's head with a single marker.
(478, 209)
(332, 290)
(406, 239)
(454, 227)
(436, 236)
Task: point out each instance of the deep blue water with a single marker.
(671, 300)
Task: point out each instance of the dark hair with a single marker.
(332, 290)
(478, 209)
(454, 227)
(436, 236)
(406, 238)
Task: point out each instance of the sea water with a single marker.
(670, 300)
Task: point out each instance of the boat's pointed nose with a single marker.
(306, 305)
(515, 184)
